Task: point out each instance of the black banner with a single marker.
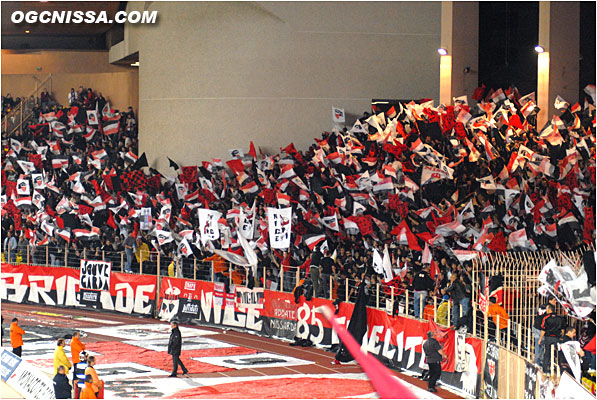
(530, 381)
(490, 376)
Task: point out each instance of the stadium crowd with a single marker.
(435, 185)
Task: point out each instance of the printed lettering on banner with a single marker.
(10, 362)
(28, 381)
(460, 352)
(95, 275)
(530, 381)
(208, 224)
(249, 298)
(145, 218)
(491, 371)
(280, 223)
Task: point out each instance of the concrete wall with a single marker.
(214, 76)
(120, 85)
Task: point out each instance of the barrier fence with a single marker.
(520, 270)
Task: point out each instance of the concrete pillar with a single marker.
(459, 72)
(558, 66)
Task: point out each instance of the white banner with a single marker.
(280, 222)
(28, 381)
(38, 181)
(570, 389)
(460, 364)
(23, 188)
(247, 225)
(95, 275)
(145, 218)
(338, 115)
(208, 224)
(570, 350)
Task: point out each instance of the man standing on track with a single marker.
(16, 337)
(435, 355)
(174, 348)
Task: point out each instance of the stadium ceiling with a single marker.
(38, 36)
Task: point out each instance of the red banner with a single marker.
(59, 286)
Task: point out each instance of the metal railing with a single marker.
(516, 338)
(14, 120)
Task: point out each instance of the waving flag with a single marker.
(280, 223)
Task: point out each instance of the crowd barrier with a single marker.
(393, 334)
(396, 340)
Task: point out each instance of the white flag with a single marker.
(163, 237)
(23, 188)
(338, 115)
(377, 262)
(184, 248)
(208, 223)
(280, 222)
(247, 224)
(570, 350)
(38, 181)
(145, 218)
(388, 275)
(92, 117)
(331, 222)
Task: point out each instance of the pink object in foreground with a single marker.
(385, 383)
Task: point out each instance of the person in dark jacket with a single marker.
(434, 356)
(456, 291)
(174, 347)
(551, 331)
(422, 283)
(62, 387)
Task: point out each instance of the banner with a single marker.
(145, 218)
(530, 381)
(570, 350)
(58, 286)
(490, 377)
(338, 115)
(280, 223)
(95, 275)
(208, 224)
(459, 352)
(247, 225)
(571, 389)
(28, 381)
(395, 340)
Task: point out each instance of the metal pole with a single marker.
(84, 253)
(158, 284)
(331, 287)
(66, 255)
(213, 271)
(406, 304)
(346, 287)
(121, 262)
(103, 255)
(265, 280)
(435, 310)
(377, 296)
(141, 263)
(474, 305)
(194, 266)
(449, 312)
(281, 278)
(28, 254)
(508, 333)
(392, 294)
